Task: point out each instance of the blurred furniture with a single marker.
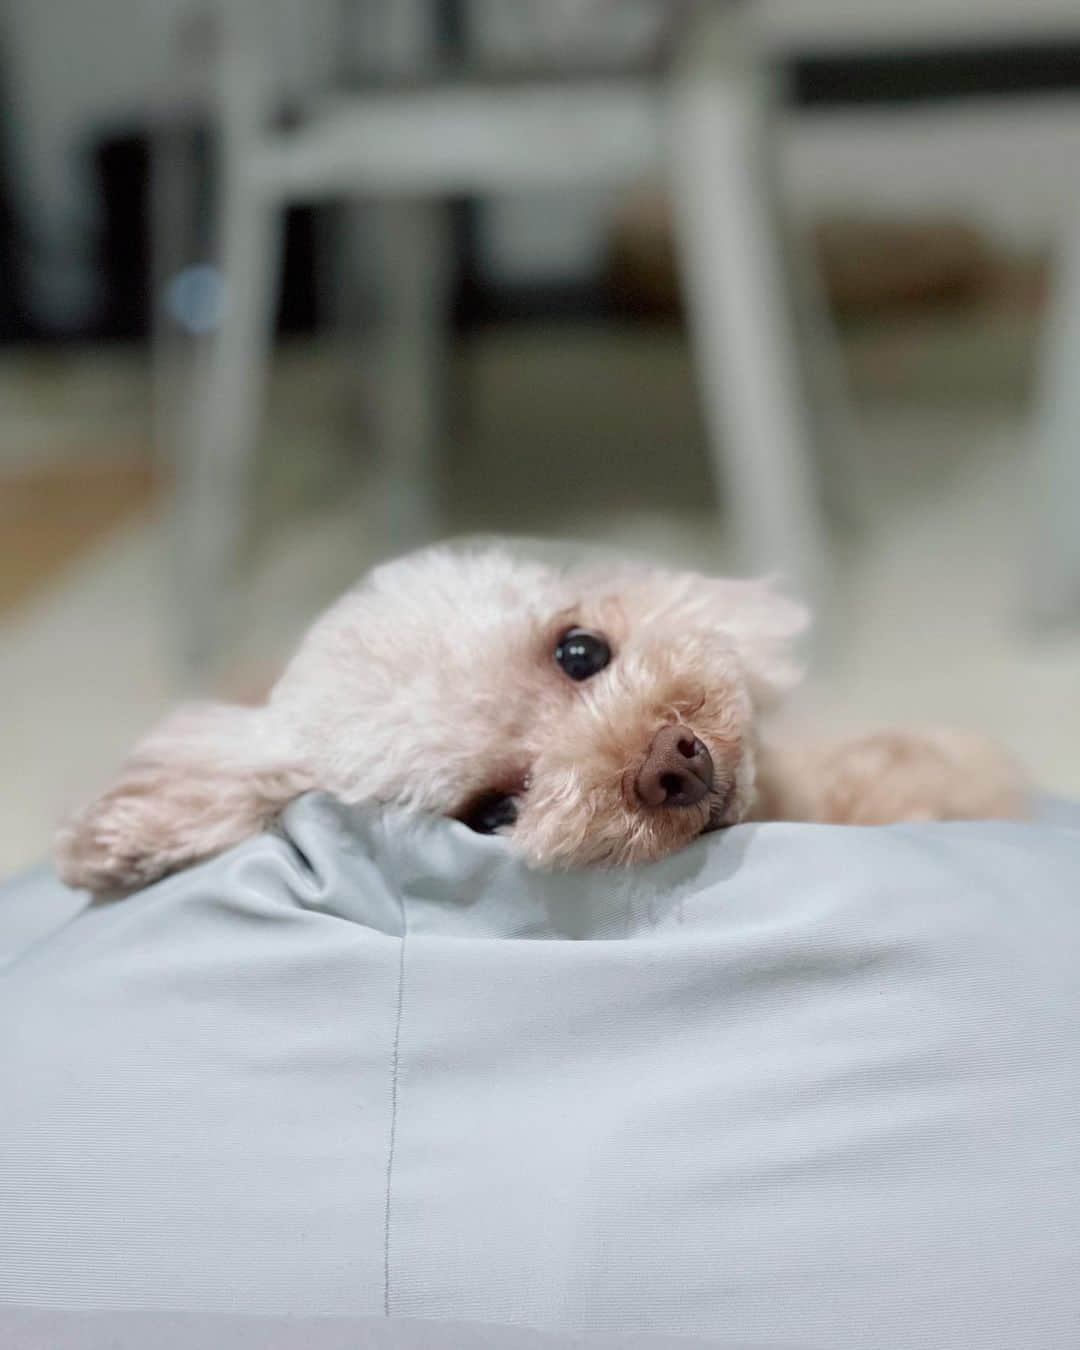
(1056, 544)
(957, 49)
(706, 122)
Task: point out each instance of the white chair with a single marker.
(705, 123)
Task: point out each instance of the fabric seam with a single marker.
(395, 1059)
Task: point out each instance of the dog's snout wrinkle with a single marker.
(678, 770)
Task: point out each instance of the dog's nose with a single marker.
(678, 770)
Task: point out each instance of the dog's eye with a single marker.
(582, 654)
(493, 811)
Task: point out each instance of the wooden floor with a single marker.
(52, 514)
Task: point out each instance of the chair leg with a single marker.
(415, 252)
(740, 301)
(1056, 580)
(172, 201)
(214, 479)
(212, 482)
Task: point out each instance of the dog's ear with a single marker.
(758, 620)
(208, 778)
(763, 624)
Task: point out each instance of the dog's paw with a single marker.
(891, 776)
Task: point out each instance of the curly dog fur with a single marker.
(434, 685)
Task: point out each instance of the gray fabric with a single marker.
(31, 907)
(38, 1329)
(795, 1085)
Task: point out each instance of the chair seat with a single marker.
(467, 137)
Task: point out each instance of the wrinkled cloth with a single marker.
(796, 1085)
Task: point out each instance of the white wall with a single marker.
(1012, 164)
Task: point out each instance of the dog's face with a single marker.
(594, 715)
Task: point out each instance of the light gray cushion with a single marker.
(799, 1085)
(49, 1329)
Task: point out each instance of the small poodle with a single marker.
(593, 714)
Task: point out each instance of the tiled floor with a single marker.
(585, 432)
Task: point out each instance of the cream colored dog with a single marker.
(593, 714)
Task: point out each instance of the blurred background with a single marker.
(289, 286)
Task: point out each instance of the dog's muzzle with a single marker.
(678, 770)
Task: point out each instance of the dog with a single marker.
(594, 714)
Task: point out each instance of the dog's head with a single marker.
(595, 714)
